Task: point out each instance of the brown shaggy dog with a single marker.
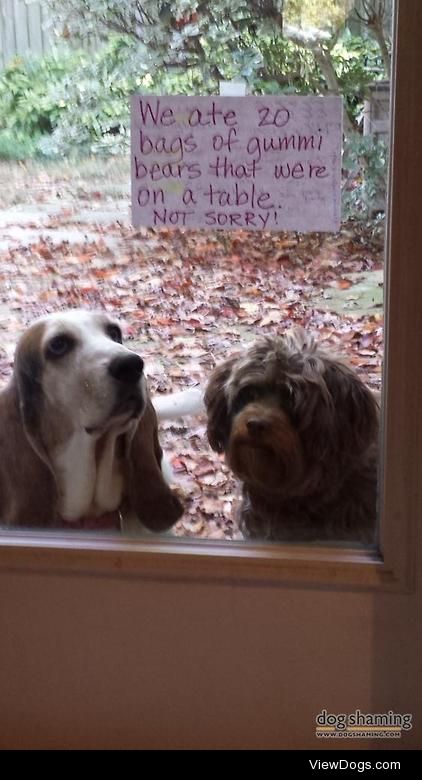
(300, 430)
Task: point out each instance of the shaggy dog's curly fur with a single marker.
(299, 429)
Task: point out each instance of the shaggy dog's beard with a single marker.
(265, 450)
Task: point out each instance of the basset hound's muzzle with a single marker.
(127, 371)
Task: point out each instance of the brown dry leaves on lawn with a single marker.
(189, 299)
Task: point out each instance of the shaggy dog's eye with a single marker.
(285, 394)
(59, 346)
(245, 396)
(115, 333)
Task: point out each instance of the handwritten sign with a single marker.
(259, 163)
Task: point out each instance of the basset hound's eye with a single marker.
(114, 332)
(59, 346)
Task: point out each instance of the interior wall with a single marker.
(125, 663)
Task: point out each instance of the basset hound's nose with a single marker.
(126, 368)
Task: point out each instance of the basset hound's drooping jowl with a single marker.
(79, 445)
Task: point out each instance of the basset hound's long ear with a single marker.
(149, 496)
(28, 495)
(27, 377)
(215, 399)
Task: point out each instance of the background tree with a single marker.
(169, 32)
(229, 38)
(376, 16)
(76, 100)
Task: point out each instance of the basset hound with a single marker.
(79, 442)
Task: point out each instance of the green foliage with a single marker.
(95, 100)
(286, 67)
(290, 68)
(13, 147)
(28, 107)
(77, 102)
(95, 95)
(279, 65)
(171, 32)
(331, 14)
(365, 163)
(357, 62)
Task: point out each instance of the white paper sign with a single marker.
(257, 163)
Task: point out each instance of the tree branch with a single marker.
(374, 15)
(323, 59)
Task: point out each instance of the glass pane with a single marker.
(291, 450)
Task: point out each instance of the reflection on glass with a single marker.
(292, 435)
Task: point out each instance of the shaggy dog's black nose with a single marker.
(127, 368)
(257, 425)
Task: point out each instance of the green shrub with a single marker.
(365, 166)
(28, 105)
(95, 101)
(13, 147)
(288, 67)
(72, 102)
(357, 62)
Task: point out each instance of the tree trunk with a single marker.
(323, 58)
(382, 43)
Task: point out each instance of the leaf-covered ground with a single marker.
(188, 298)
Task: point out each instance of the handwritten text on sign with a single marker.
(260, 163)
